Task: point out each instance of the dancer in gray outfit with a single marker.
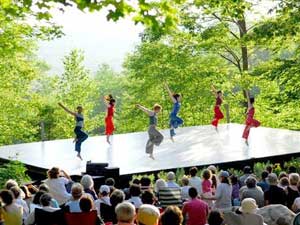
(155, 137)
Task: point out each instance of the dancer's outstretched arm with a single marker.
(105, 101)
(248, 99)
(214, 91)
(144, 109)
(67, 110)
(170, 93)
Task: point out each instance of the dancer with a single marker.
(250, 121)
(155, 137)
(109, 123)
(175, 121)
(81, 136)
(218, 113)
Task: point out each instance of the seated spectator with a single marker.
(12, 212)
(275, 194)
(28, 197)
(235, 197)
(147, 215)
(45, 201)
(145, 183)
(45, 188)
(292, 190)
(195, 209)
(207, 187)
(18, 200)
(116, 197)
(282, 174)
(214, 178)
(125, 212)
(10, 183)
(263, 183)
(292, 169)
(171, 216)
(185, 188)
(195, 181)
(88, 186)
(110, 182)
(86, 205)
(159, 184)
(251, 190)
(247, 172)
(36, 201)
(215, 218)
(269, 169)
(135, 192)
(73, 204)
(246, 214)
(103, 200)
(57, 181)
(148, 197)
(171, 180)
(169, 196)
(284, 183)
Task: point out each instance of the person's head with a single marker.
(117, 197)
(148, 197)
(16, 191)
(135, 190)
(248, 205)
(25, 190)
(44, 187)
(159, 184)
(193, 193)
(104, 190)
(206, 174)
(292, 169)
(157, 108)
(212, 169)
(177, 97)
(294, 178)
(145, 182)
(171, 216)
(272, 179)
(193, 171)
(264, 175)
(252, 100)
(184, 181)
(79, 109)
(37, 196)
(110, 182)
(250, 182)
(215, 218)
(77, 191)
(87, 182)
(269, 168)
(136, 181)
(219, 93)
(125, 212)
(10, 183)
(53, 173)
(7, 197)
(284, 182)
(247, 170)
(171, 176)
(147, 215)
(282, 174)
(86, 203)
(45, 199)
(112, 101)
(224, 177)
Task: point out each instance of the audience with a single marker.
(215, 218)
(86, 205)
(171, 216)
(147, 215)
(247, 172)
(88, 186)
(104, 199)
(18, 200)
(252, 191)
(275, 194)
(116, 197)
(73, 204)
(148, 197)
(235, 197)
(125, 212)
(110, 182)
(12, 212)
(135, 192)
(145, 183)
(263, 183)
(207, 186)
(292, 190)
(171, 180)
(195, 181)
(185, 188)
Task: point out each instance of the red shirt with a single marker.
(110, 110)
(218, 101)
(196, 210)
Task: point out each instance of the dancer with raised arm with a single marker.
(155, 137)
(81, 136)
(250, 121)
(175, 121)
(217, 109)
(109, 122)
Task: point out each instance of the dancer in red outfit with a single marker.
(109, 123)
(250, 121)
(218, 113)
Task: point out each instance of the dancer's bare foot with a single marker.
(152, 157)
(107, 140)
(79, 156)
(172, 139)
(246, 142)
(75, 140)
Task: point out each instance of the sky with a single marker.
(102, 41)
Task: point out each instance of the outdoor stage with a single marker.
(193, 146)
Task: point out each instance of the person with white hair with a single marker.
(159, 184)
(125, 212)
(88, 186)
(171, 180)
(73, 203)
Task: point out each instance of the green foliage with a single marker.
(13, 170)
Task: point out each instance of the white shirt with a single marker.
(223, 196)
(31, 218)
(105, 200)
(58, 190)
(136, 201)
(74, 206)
(297, 202)
(185, 192)
(19, 201)
(196, 182)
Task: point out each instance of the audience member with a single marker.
(45, 188)
(125, 212)
(145, 183)
(18, 200)
(171, 180)
(73, 203)
(104, 198)
(171, 216)
(10, 183)
(185, 188)
(116, 197)
(263, 183)
(247, 172)
(110, 182)
(292, 190)
(195, 181)
(235, 190)
(12, 212)
(195, 209)
(28, 196)
(88, 186)
(159, 184)
(251, 190)
(282, 174)
(148, 197)
(269, 169)
(86, 205)
(147, 215)
(292, 169)
(135, 192)
(207, 186)
(36, 201)
(214, 178)
(275, 194)
(215, 218)
(284, 183)
(57, 181)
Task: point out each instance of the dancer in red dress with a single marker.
(109, 123)
(217, 110)
(250, 121)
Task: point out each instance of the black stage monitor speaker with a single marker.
(113, 172)
(95, 169)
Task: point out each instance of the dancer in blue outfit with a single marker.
(81, 136)
(175, 121)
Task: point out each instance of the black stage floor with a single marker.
(193, 146)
